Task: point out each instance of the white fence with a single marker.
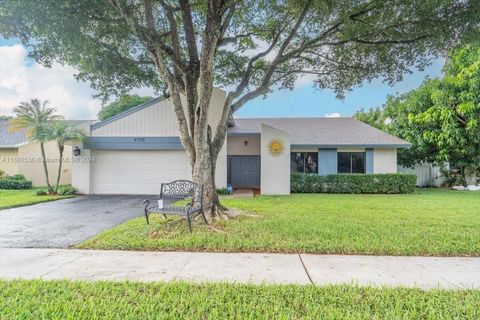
(427, 175)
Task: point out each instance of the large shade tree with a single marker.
(441, 118)
(184, 47)
(123, 103)
(374, 117)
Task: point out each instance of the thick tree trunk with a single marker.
(203, 173)
(45, 168)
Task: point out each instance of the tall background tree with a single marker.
(374, 117)
(123, 103)
(185, 47)
(36, 117)
(441, 118)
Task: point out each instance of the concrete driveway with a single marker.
(62, 223)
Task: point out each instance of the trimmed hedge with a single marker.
(17, 176)
(353, 183)
(17, 181)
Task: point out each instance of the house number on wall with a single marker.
(139, 139)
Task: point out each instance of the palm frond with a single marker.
(64, 131)
(35, 117)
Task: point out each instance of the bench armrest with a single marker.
(147, 201)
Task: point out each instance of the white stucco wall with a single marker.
(82, 165)
(236, 145)
(221, 169)
(275, 170)
(34, 170)
(350, 149)
(303, 149)
(82, 170)
(8, 163)
(385, 160)
(215, 113)
(26, 160)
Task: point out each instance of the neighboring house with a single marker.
(133, 152)
(18, 155)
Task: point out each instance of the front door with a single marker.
(244, 171)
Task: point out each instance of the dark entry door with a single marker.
(244, 171)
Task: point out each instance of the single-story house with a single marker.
(18, 155)
(134, 151)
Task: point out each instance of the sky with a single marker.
(22, 79)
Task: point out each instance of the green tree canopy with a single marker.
(123, 103)
(442, 117)
(373, 116)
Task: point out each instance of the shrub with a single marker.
(15, 182)
(41, 192)
(353, 183)
(18, 176)
(222, 191)
(67, 191)
(2, 174)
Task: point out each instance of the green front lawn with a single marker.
(18, 198)
(429, 222)
(127, 300)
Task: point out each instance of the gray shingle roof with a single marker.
(343, 131)
(12, 139)
(8, 138)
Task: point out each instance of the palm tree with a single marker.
(35, 117)
(61, 132)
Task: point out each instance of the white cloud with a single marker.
(333, 115)
(305, 79)
(21, 80)
(262, 46)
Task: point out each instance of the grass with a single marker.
(37, 299)
(18, 198)
(429, 222)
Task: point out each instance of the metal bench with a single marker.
(175, 191)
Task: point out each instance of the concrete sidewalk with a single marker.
(423, 272)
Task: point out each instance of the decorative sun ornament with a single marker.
(276, 147)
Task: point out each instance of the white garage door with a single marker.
(137, 172)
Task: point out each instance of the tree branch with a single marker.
(230, 107)
(265, 84)
(175, 44)
(193, 63)
(150, 40)
(189, 33)
(156, 55)
(149, 15)
(234, 39)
